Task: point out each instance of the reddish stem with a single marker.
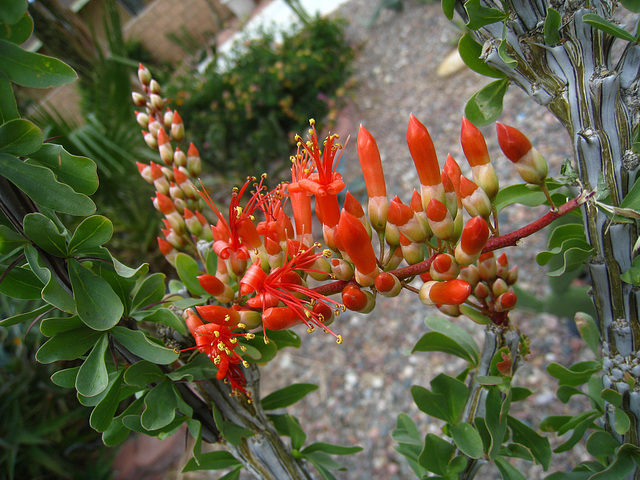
(494, 243)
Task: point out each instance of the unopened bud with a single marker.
(444, 267)
(194, 164)
(167, 118)
(473, 239)
(157, 101)
(154, 87)
(474, 199)
(138, 99)
(505, 302)
(440, 219)
(530, 163)
(487, 267)
(499, 287)
(177, 127)
(144, 75)
(452, 292)
(164, 147)
(142, 119)
(481, 291)
(179, 158)
(150, 140)
(388, 284)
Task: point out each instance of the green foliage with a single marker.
(244, 115)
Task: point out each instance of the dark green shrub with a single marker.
(243, 116)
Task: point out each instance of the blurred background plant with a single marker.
(44, 431)
(246, 108)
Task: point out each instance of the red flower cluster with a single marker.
(266, 265)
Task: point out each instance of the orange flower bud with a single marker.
(530, 163)
(145, 172)
(144, 75)
(280, 318)
(177, 127)
(473, 144)
(356, 242)
(502, 266)
(388, 284)
(371, 164)
(499, 287)
(423, 152)
(138, 99)
(444, 267)
(440, 219)
(194, 164)
(211, 284)
(167, 118)
(219, 315)
(487, 267)
(411, 252)
(452, 292)
(341, 269)
(481, 291)
(150, 140)
(470, 274)
(506, 302)
(168, 251)
(358, 300)
(473, 239)
(474, 199)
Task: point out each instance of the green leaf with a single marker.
(508, 60)
(65, 378)
(50, 326)
(448, 7)
(12, 11)
(467, 439)
(579, 424)
(471, 54)
(231, 432)
(537, 444)
(164, 316)
(44, 233)
(79, 173)
(20, 137)
(137, 342)
(32, 69)
(188, 271)
(211, 461)
(631, 5)
(601, 23)
(117, 432)
(97, 304)
(496, 423)
(25, 317)
(621, 467)
(54, 292)
(552, 24)
(287, 396)
(435, 454)
(289, 426)
(602, 444)
(18, 32)
(575, 375)
(588, 330)
(331, 449)
(457, 334)
(524, 194)
(485, 106)
(632, 275)
(160, 406)
(445, 400)
(149, 292)
(103, 413)
(93, 377)
(257, 350)
(508, 471)
(67, 345)
(475, 315)
(42, 187)
(92, 232)
(10, 240)
(20, 283)
(479, 15)
(621, 421)
(142, 373)
(8, 106)
(439, 342)
(284, 338)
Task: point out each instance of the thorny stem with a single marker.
(495, 243)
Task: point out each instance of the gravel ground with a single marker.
(364, 383)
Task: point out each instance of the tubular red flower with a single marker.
(371, 164)
(211, 284)
(355, 241)
(423, 152)
(473, 144)
(219, 315)
(513, 143)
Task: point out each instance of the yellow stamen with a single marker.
(245, 364)
(339, 340)
(241, 325)
(249, 336)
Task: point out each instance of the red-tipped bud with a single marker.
(280, 318)
(193, 322)
(154, 87)
(452, 169)
(325, 313)
(356, 299)
(423, 152)
(138, 99)
(144, 75)
(530, 163)
(168, 251)
(145, 172)
(177, 127)
(502, 266)
(150, 140)
(179, 158)
(452, 292)
(470, 274)
(194, 164)
(411, 252)
(513, 275)
(440, 219)
(164, 204)
(444, 267)
(191, 221)
(473, 239)
(356, 242)
(451, 310)
(388, 284)
(474, 199)
(473, 144)
(341, 269)
(167, 118)
(506, 302)
(219, 315)
(352, 205)
(499, 287)
(481, 291)
(253, 279)
(250, 319)
(164, 147)
(157, 101)
(211, 284)
(142, 119)
(487, 267)
(371, 164)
